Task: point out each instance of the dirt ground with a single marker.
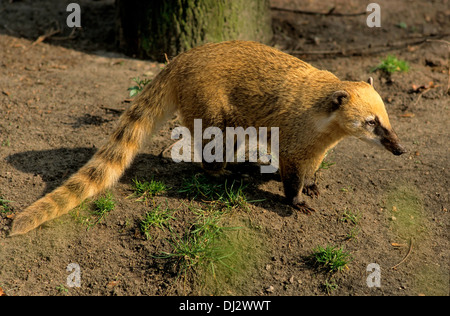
(60, 99)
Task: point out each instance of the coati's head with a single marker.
(360, 112)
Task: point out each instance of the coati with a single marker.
(235, 83)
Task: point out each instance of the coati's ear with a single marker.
(339, 98)
(370, 81)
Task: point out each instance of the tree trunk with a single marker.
(150, 29)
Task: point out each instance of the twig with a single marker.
(63, 38)
(440, 41)
(423, 92)
(409, 252)
(372, 49)
(116, 111)
(42, 38)
(329, 13)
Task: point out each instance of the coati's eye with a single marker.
(371, 123)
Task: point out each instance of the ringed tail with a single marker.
(151, 107)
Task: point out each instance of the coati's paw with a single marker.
(302, 206)
(311, 190)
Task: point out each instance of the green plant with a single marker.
(330, 285)
(91, 213)
(215, 250)
(197, 248)
(198, 186)
(402, 25)
(158, 217)
(351, 217)
(144, 189)
(4, 205)
(223, 195)
(6, 143)
(203, 246)
(232, 196)
(331, 259)
(352, 234)
(391, 64)
(326, 165)
(140, 84)
(346, 189)
(62, 289)
(102, 206)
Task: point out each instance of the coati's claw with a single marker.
(303, 207)
(312, 190)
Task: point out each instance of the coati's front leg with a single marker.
(293, 176)
(215, 168)
(310, 187)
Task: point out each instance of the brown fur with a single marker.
(233, 84)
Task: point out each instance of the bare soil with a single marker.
(60, 99)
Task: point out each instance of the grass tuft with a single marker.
(225, 195)
(145, 190)
(102, 206)
(200, 247)
(330, 259)
(158, 218)
(90, 214)
(391, 64)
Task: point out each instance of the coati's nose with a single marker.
(390, 141)
(398, 150)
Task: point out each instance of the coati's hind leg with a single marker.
(214, 158)
(293, 176)
(215, 167)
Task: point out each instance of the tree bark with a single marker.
(150, 29)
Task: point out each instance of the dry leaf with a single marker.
(394, 244)
(407, 115)
(2, 293)
(112, 284)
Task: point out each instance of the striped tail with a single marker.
(153, 106)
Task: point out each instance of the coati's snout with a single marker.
(397, 149)
(390, 141)
(387, 138)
